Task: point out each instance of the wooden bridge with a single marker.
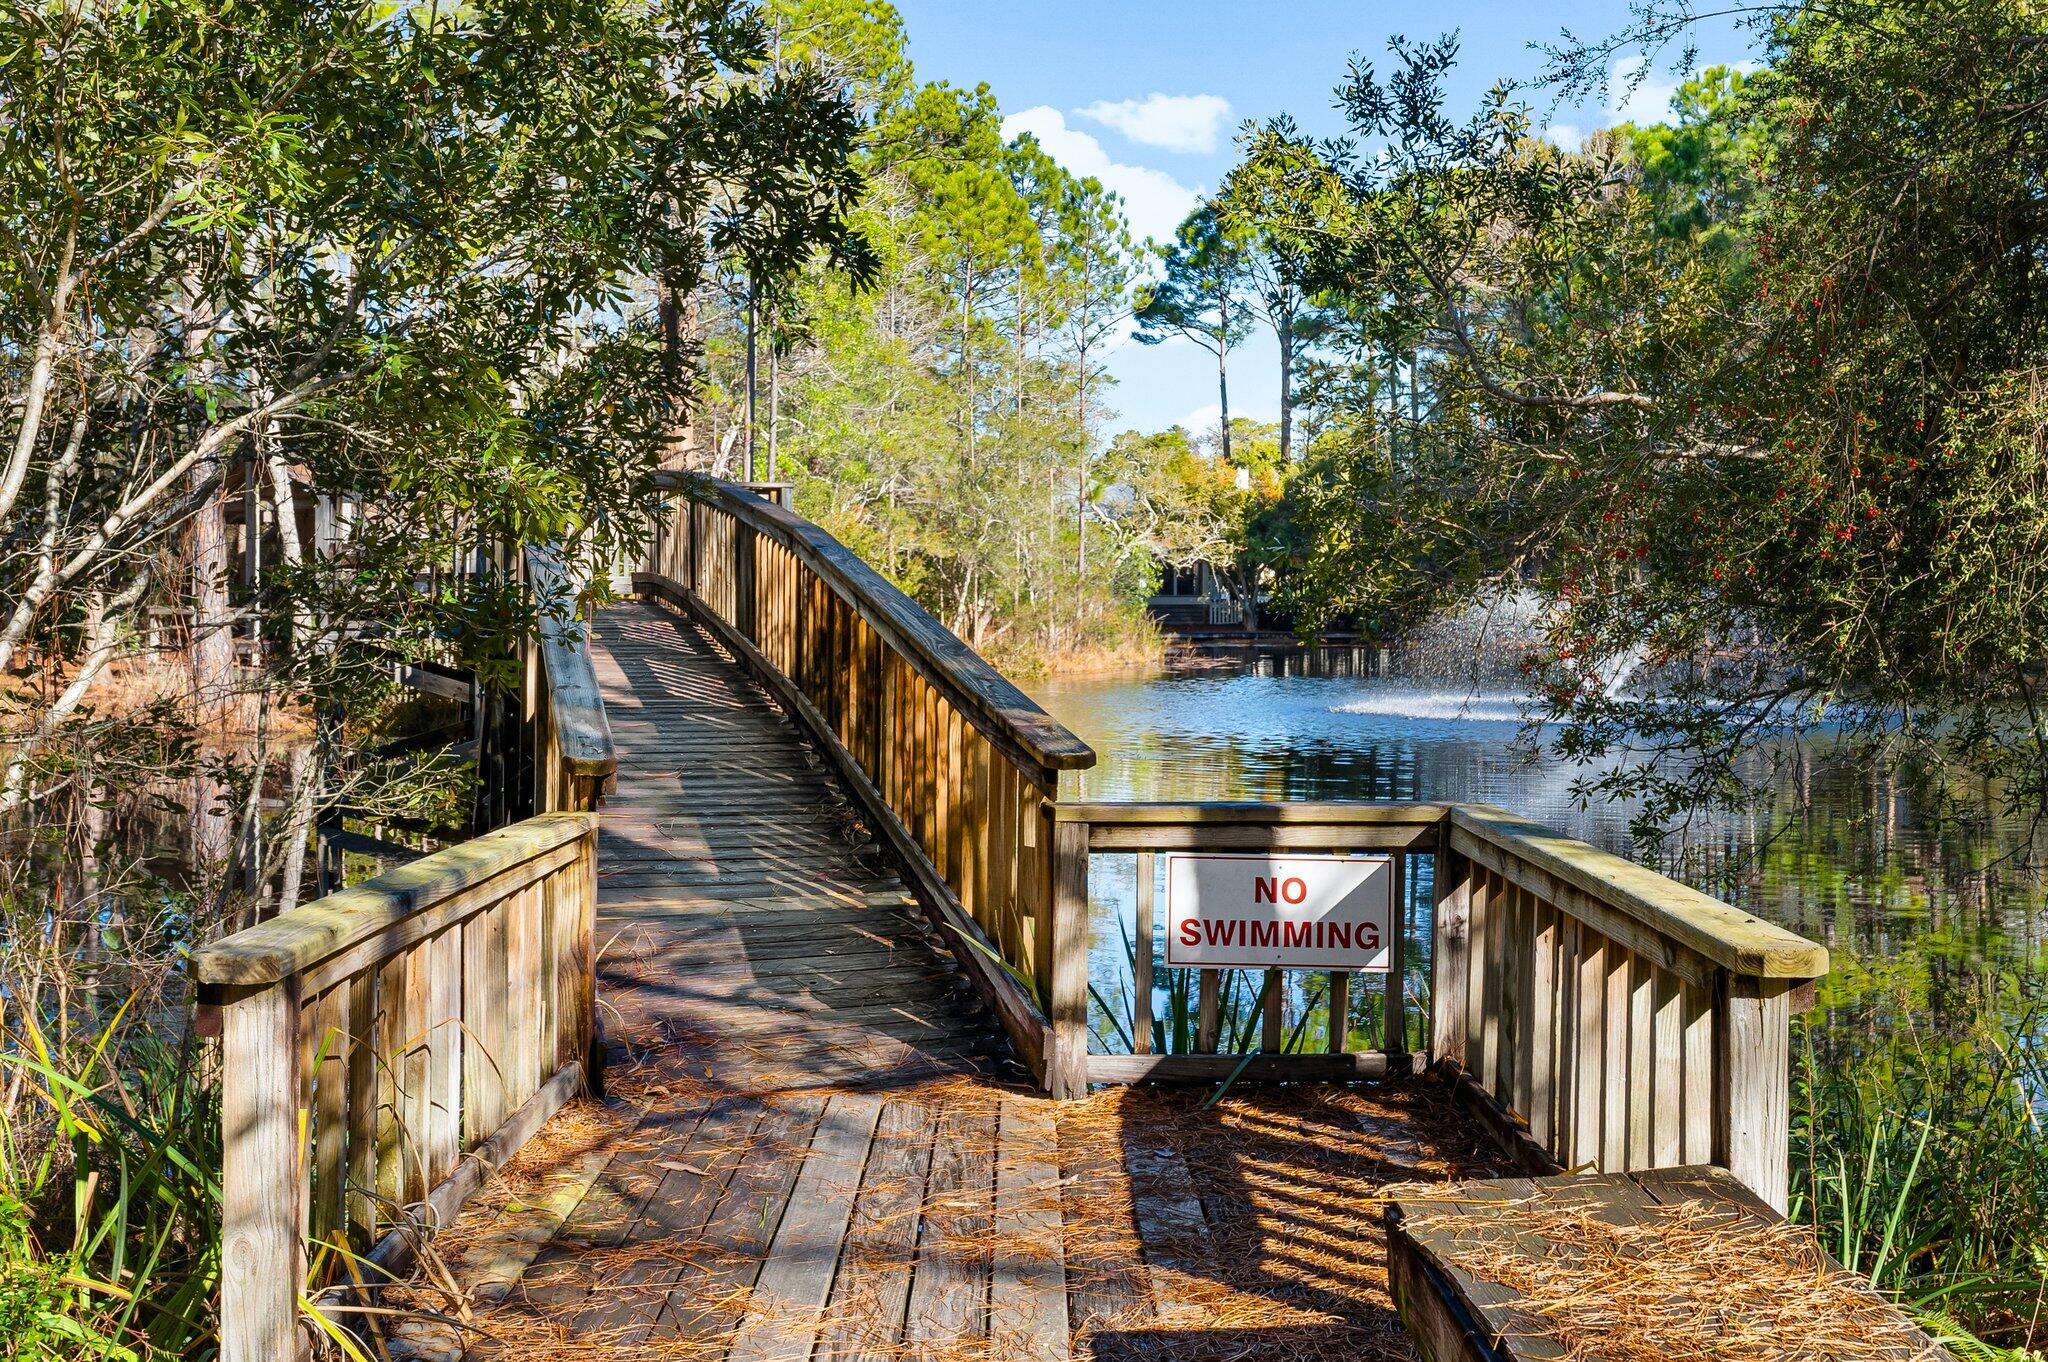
(826, 950)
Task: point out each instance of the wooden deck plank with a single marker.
(1027, 1308)
(689, 1181)
(610, 1210)
(728, 1256)
(948, 1294)
(865, 1312)
(785, 1311)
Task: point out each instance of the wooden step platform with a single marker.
(1679, 1262)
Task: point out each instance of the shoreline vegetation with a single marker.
(308, 315)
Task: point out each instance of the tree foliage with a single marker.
(1751, 400)
(387, 263)
(946, 421)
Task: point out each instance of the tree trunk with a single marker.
(298, 827)
(1415, 390)
(1081, 495)
(1223, 394)
(1285, 330)
(1394, 409)
(753, 330)
(677, 308)
(967, 361)
(774, 397)
(284, 505)
(213, 640)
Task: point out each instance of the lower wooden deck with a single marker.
(1670, 1262)
(815, 1143)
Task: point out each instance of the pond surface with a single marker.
(1923, 921)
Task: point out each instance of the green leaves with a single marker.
(1741, 395)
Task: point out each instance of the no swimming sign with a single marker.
(1286, 911)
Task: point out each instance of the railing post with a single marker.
(1066, 1068)
(1752, 1063)
(1394, 1029)
(1450, 951)
(263, 1184)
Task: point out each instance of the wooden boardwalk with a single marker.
(817, 1145)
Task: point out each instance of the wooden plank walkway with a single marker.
(817, 1146)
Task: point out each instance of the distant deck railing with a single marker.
(562, 715)
(386, 1046)
(1602, 1013)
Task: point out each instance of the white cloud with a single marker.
(1187, 123)
(1154, 201)
(1203, 420)
(1567, 135)
(1638, 96)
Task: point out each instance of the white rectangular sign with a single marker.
(1297, 912)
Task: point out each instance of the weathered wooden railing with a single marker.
(386, 1046)
(1603, 1014)
(955, 765)
(382, 1048)
(1627, 1020)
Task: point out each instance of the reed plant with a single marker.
(110, 1140)
(109, 1198)
(1919, 1157)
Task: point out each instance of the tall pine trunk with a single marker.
(1285, 330)
(1223, 394)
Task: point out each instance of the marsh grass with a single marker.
(109, 1199)
(1920, 1160)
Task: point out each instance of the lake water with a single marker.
(1923, 921)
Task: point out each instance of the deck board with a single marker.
(822, 1147)
(1456, 1249)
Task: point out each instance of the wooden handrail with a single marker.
(983, 695)
(1600, 1012)
(383, 1047)
(1612, 1016)
(955, 767)
(576, 763)
(1248, 813)
(372, 911)
(1737, 941)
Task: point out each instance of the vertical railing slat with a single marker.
(1538, 1099)
(1141, 960)
(1589, 1073)
(1641, 1059)
(1067, 1010)
(1614, 1115)
(1394, 1005)
(1450, 958)
(1668, 1055)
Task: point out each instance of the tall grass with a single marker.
(1919, 1157)
(110, 1140)
(109, 1199)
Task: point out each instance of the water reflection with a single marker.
(1837, 851)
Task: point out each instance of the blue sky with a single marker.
(1148, 97)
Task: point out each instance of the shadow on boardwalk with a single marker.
(817, 1146)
